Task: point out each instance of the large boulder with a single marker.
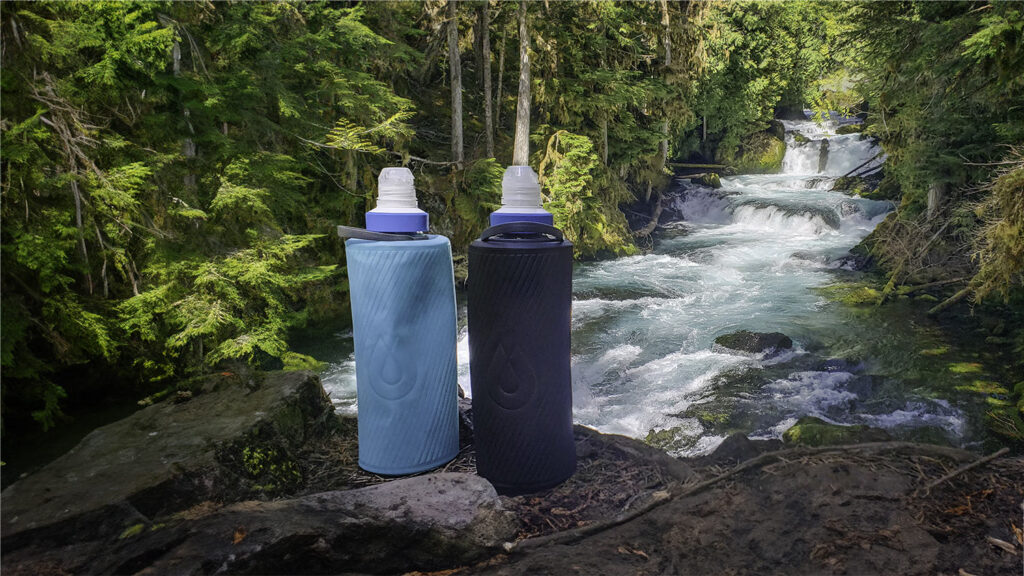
(231, 437)
(753, 343)
(429, 522)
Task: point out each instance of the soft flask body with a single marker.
(519, 300)
(404, 327)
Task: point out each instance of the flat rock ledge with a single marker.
(256, 475)
(230, 439)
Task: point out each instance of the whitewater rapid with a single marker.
(748, 256)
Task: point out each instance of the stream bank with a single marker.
(254, 474)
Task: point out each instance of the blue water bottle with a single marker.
(402, 290)
(519, 301)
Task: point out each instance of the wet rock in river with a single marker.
(748, 342)
(811, 431)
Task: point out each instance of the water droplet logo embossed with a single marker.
(394, 379)
(517, 383)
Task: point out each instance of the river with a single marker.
(752, 255)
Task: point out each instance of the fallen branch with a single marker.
(655, 216)
(868, 161)
(904, 290)
(965, 468)
(950, 301)
(684, 165)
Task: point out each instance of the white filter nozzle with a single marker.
(396, 190)
(520, 188)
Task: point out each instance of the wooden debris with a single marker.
(1002, 544)
(965, 468)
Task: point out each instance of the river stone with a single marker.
(753, 342)
(811, 431)
(166, 457)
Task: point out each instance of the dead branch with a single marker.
(965, 468)
(653, 224)
(950, 301)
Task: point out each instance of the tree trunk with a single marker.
(455, 67)
(521, 148)
(501, 75)
(78, 224)
(667, 40)
(604, 140)
(488, 111)
(478, 41)
(936, 194)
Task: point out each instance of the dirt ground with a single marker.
(838, 510)
(841, 512)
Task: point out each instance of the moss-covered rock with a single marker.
(760, 153)
(850, 129)
(234, 436)
(851, 293)
(710, 180)
(811, 431)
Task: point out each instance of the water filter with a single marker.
(519, 301)
(402, 289)
(520, 198)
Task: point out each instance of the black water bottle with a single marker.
(520, 294)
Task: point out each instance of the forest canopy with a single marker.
(172, 171)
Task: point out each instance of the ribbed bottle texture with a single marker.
(519, 312)
(404, 327)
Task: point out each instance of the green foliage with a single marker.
(764, 56)
(1001, 255)
(165, 199)
(584, 209)
(760, 153)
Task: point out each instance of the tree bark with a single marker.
(521, 148)
(501, 74)
(488, 110)
(604, 140)
(455, 66)
(78, 224)
(667, 40)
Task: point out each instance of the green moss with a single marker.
(938, 351)
(852, 185)
(984, 387)
(811, 431)
(850, 129)
(662, 438)
(710, 180)
(851, 294)
(965, 367)
(760, 153)
(925, 298)
(670, 439)
(273, 471)
(132, 531)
